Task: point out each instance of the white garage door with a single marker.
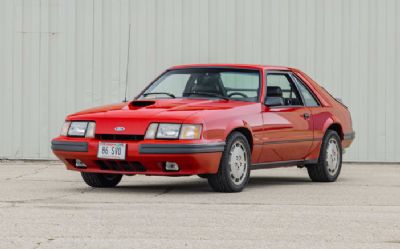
(57, 57)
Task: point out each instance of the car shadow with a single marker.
(166, 188)
(192, 185)
(256, 181)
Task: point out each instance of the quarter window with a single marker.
(309, 99)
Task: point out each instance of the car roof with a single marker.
(246, 66)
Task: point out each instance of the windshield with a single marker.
(236, 84)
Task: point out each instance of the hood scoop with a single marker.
(141, 103)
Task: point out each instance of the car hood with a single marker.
(135, 116)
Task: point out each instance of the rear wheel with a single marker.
(97, 180)
(330, 159)
(234, 169)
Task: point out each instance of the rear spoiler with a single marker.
(339, 100)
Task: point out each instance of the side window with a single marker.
(308, 98)
(281, 85)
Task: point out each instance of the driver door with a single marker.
(287, 129)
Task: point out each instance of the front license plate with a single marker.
(112, 151)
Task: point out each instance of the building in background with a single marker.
(60, 56)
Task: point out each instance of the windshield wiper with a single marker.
(207, 94)
(159, 93)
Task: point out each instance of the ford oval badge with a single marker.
(120, 128)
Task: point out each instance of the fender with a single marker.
(316, 147)
(235, 124)
(328, 122)
(333, 121)
(256, 145)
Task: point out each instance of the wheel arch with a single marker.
(247, 133)
(336, 127)
(243, 128)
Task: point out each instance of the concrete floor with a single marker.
(44, 206)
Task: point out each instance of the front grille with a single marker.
(119, 137)
(130, 166)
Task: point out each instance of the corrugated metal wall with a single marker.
(59, 56)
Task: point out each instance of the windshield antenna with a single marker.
(127, 63)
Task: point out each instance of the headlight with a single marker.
(168, 131)
(65, 128)
(190, 131)
(173, 131)
(79, 129)
(90, 131)
(151, 131)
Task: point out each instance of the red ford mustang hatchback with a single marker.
(216, 121)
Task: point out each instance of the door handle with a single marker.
(306, 115)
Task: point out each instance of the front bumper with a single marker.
(69, 146)
(142, 157)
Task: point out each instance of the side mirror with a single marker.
(274, 101)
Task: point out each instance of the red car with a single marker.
(218, 121)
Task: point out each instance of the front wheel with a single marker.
(234, 169)
(330, 159)
(98, 180)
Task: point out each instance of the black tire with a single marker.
(320, 172)
(97, 180)
(222, 181)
